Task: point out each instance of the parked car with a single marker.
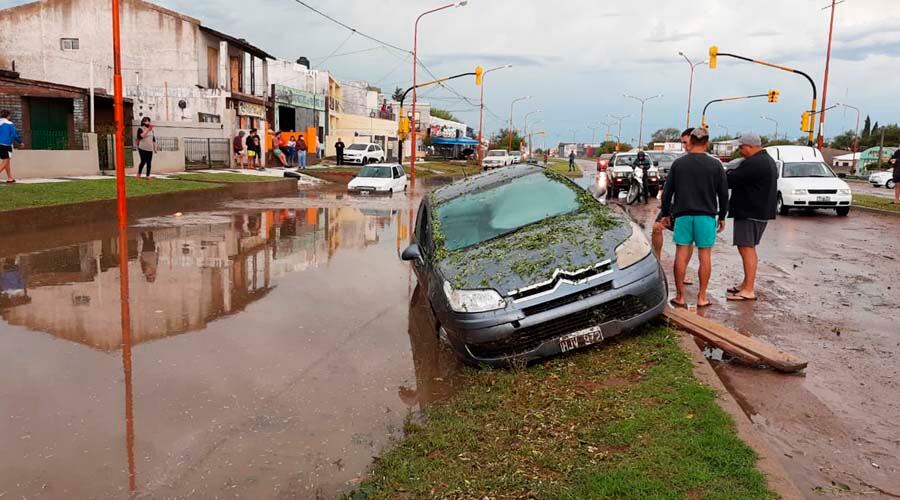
(379, 178)
(363, 154)
(519, 264)
(620, 171)
(603, 162)
(516, 157)
(497, 158)
(663, 162)
(806, 181)
(882, 179)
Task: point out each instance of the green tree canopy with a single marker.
(398, 94)
(443, 114)
(666, 135)
(500, 140)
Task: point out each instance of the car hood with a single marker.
(570, 243)
(813, 183)
(375, 182)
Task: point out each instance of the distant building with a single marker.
(668, 147)
(869, 159)
(725, 149)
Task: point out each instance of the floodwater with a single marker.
(829, 290)
(273, 348)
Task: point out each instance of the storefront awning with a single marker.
(462, 141)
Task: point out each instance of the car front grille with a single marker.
(822, 203)
(531, 337)
(823, 191)
(568, 299)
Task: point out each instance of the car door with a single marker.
(396, 182)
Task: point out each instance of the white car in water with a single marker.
(497, 158)
(379, 178)
(806, 181)
(363, 154)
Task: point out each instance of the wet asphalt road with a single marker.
(829, 291)
(275, 349)
(277, 345)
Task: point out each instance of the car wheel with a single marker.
(889, 184)
(391, 192)
(843, 211)
(405, 186)
(779, 204)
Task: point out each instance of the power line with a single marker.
(339, 47)
(339, 23)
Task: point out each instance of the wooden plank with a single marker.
(739, 353)
(707, 329)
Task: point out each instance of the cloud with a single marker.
(491, 59)
(763, 33)
(674, 37)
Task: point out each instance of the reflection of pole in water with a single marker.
(126, 352)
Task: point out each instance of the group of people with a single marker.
(247, 149)
(696, 204)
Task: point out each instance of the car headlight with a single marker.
(473, 300)
(634, 250)
(799, 191)
(844, 191)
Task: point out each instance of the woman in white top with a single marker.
(146, 144)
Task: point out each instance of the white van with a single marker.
(806, 181)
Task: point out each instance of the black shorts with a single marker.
(5, 152)
(748, 233)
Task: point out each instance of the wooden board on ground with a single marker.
(748, 349)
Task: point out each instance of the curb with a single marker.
(776, 476)
(875, 210)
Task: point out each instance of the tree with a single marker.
(843, 141)
(501, 140)
(398, 94)
(867, 129)
(443, 114)
(666, 135)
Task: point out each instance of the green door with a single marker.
(49, 123)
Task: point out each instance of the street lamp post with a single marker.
(511, 106)
(412, 145)
(821, 138)
(525, 120)
(773, 121)
(619, 118)
(481, 116)
(855, 136)
(643, 101)
(690, 86)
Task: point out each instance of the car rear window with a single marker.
(478, 217)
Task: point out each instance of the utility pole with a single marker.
(821, 138)
(693, 66)
(643, 102)
(619, 118)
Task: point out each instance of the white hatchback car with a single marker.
(882, 179)
(363, 154)
(806, 181)
(379, 178)
(497, 158)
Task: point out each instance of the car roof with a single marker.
(483, 181)
(795, 154)
(384, 165)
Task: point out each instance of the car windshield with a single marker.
(807, 170)
(496, 153)
(625, 160)
(358, 147)
(481, 216)
(375, 172)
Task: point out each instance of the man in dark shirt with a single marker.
(754, 187)
(339, 149)
(700, 192)
(895, 162)
(572, 161)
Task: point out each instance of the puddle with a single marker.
(272, 351)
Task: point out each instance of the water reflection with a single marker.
(311, 349)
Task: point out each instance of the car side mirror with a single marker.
(842, 176)
(412, 253)
(656, 164)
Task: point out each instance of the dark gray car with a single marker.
(521, 263)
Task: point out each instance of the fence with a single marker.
(167, 144)
(206, 153)
(52, 140)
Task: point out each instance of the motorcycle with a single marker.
(636, 188)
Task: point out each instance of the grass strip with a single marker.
(877, 202)
(226, 178)
(15, 196)
(562, 167)
(625, 420)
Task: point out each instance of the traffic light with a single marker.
(479, 76)
(806, 122)
(774, 95)
(713, 57)
(404, 126)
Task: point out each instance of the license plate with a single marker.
(580, 339)
(823, 198)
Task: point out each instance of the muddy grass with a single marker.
(877, 202)
(562, 167)
(626, 420)
(226, 178)
(61, 193)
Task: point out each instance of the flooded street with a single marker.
(829, 289)
(275, 347)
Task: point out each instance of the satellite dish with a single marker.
(182, 104)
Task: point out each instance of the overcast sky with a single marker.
(577, 57)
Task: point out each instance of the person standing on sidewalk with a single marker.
(146, 145)
(254, 148)
(895, 161)
(754, 188)
(9, 136)
(240, 151)
(301, 151)
(698, 187)
(339, 149)
(572, 161)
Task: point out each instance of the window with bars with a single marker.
(68, 44)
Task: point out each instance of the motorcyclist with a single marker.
(644, 163)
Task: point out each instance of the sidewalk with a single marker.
(275, 173)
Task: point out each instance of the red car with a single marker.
(603, 162)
